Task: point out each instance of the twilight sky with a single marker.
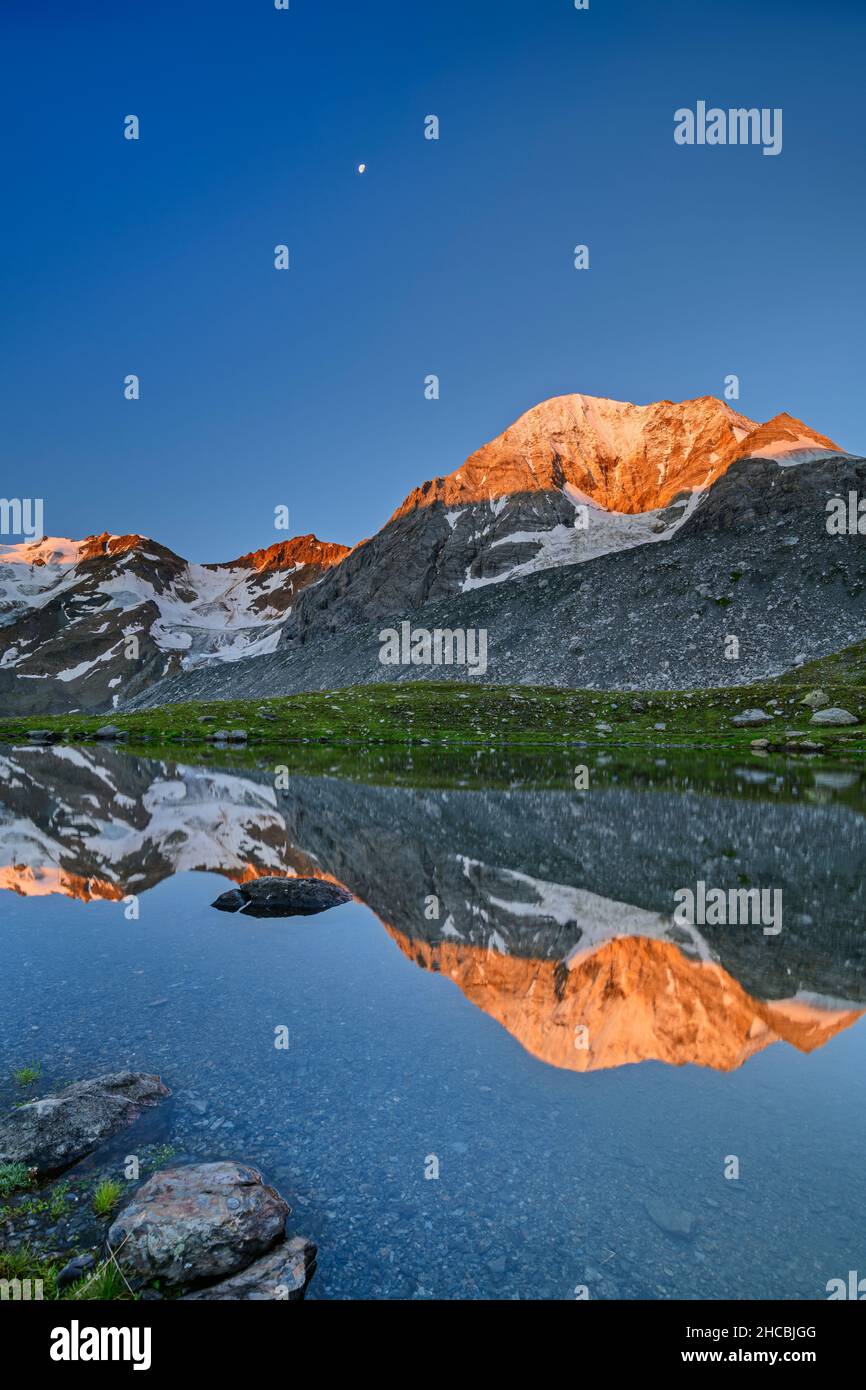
(306, 387)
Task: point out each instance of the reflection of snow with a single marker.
(194, 820)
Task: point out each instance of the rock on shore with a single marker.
(282, 1275)
(204, 1221)
(54, 1132)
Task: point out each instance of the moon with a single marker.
(361, 168)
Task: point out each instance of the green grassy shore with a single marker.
(520, 717)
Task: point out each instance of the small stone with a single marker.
(672, 1220)
(52, 1133)
(75, 1270)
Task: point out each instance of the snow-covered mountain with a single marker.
(574, 478)
(86, 623)
(575, 481)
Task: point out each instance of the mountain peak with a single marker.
(62, 550)
(627, 458)
(788, 440)
(289, 554)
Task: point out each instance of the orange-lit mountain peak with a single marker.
(300, 550)
(625, 457)
(639, 999)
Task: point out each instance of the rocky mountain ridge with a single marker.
(584, 540)
(82, 622)
(751, 585)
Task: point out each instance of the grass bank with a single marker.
(456, 714)
(453, 713)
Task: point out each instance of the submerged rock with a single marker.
(54, 1132)
(282, 897)
(198, 1222)
(43, 735)
(281, 1275)
(834, 715)
(672, 1220)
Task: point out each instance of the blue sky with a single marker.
(306, 388)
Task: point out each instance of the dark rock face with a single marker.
(282, 897)
(282, 1275)
(430, 553)
(54, 1132)
(753, 560)
(198, 1222)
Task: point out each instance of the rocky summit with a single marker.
(595, 543)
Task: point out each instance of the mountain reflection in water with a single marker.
(551, 911)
